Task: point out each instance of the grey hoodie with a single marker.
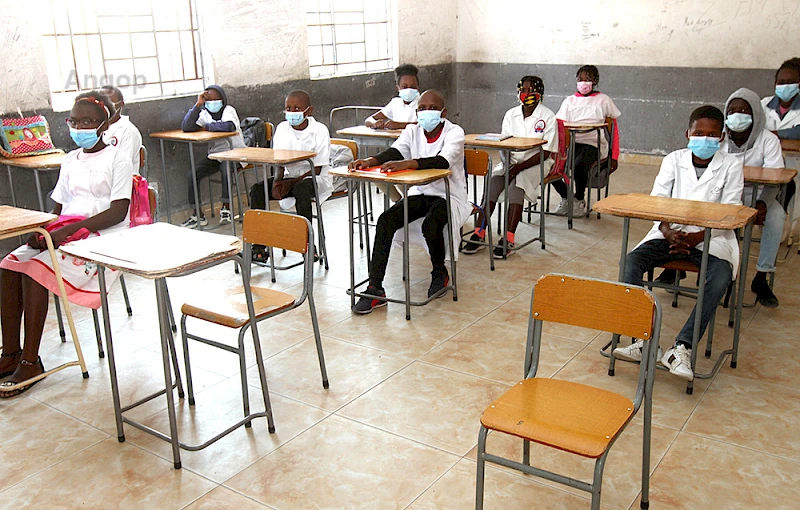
(758, 119)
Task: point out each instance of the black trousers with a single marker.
(303, 193)
(433, 209)
(206, 168)
(585, 157)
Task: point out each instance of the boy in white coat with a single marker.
(121, 132)
(700, 172)
(434, 142)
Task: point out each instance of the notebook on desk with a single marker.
(493, 137)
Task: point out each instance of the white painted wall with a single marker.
(23, 76)
(683, 33)
(427, 31)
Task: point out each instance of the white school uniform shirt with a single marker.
(126, 137)
(766, 153)
(541, 124)
(88, 183)
(398, 111)
(589, 109)
(413, 144)
(314, 138)
(721, 182)
(774, 121)
(228, 115)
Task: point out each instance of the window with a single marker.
(147, 48)
(349, 37)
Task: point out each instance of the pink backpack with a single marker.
(140, 202)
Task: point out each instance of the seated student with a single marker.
(434, 142)
(588, 106)
(401, 110)
(301, 132)
(94, 183)
(121, 132)
(782, 110)
(212, 112)
(700, 172)
(754, 145)
(529, 119)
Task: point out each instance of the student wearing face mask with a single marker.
(401, 110)
(212, 112)
(587, 105)
(301, 132)
(434, 142)
(530, 118)
(782, 110)
(92, 197)
(121, 132)
(700, 172)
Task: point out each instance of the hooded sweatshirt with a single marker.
(762, 148)
(225, 120)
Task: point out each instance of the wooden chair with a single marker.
(279, 230)
(477, 163)
(568, 416)
(600, 175)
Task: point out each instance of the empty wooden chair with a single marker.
(568, 416)
(478, 164)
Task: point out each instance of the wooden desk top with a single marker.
(515, 143)
(262, 155)
(15, 219)
(411, 177)
(676, 210)
(577, 126)
(42, 162)
(790, 145)
(758, 175)
(364, 131)
(155, 251)
(178, 135)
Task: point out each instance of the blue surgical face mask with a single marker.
(429, 119)
(84, 138)
(704, 147)
(295, 118)
(408, 95)
(214, 105)
(787, 92)
(738, 122)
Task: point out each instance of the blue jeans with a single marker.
(718, 277)
(773, 227)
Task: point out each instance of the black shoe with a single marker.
(472, 245)
(498, 250)
(764, 294)
(667, 276)
(439, 280)
(365, 305)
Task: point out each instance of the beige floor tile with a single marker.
(35, 437)
(109, 474)
(429, 404)
(352, 370)
(216, 409)
(343, 464)
(222, 497)
(702, 473)
(753, 414)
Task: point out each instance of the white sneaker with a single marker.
(578, 208)
(679, 361)
(192, 222)
(633, 352)
(561, 210)
(225, 216)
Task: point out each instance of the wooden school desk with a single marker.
(791, 147)
(403, 179)
(686, 212)
(505, 147)
(149, 251)
(576, 128)
(259, 156)
(18, 222)
(42, 163)
(190, 138)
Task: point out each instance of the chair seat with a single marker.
(681, 265)
(565, 415)
(230, 309)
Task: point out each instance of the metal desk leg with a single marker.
(365, 191)
(39, 190)
(406, 265)
(194, 186)
(320, 223)
(350, 243)
(11, 186)
(112, 364)
(701, 290)
(504, 158)
(163, 323)
(748, 232)
(166, 180)
(623, 254)
(228, 168)
(571, 178)
(450, 238)
(541, 197)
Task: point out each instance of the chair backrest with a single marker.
(269, 131)
(476, 162)
(350, 144)
(142, 161)
(278, 230)
(357, 120)
(152, 196)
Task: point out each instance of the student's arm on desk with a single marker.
(227, 123)
(376, 121)
(792, 133)
(114, 214)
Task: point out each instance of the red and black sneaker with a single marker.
(439, 280)
(365, 304)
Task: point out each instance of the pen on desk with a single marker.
(112, 257)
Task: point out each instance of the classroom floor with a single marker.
(399, 424)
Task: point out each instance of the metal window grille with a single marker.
(349, 37)
(147, 48)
